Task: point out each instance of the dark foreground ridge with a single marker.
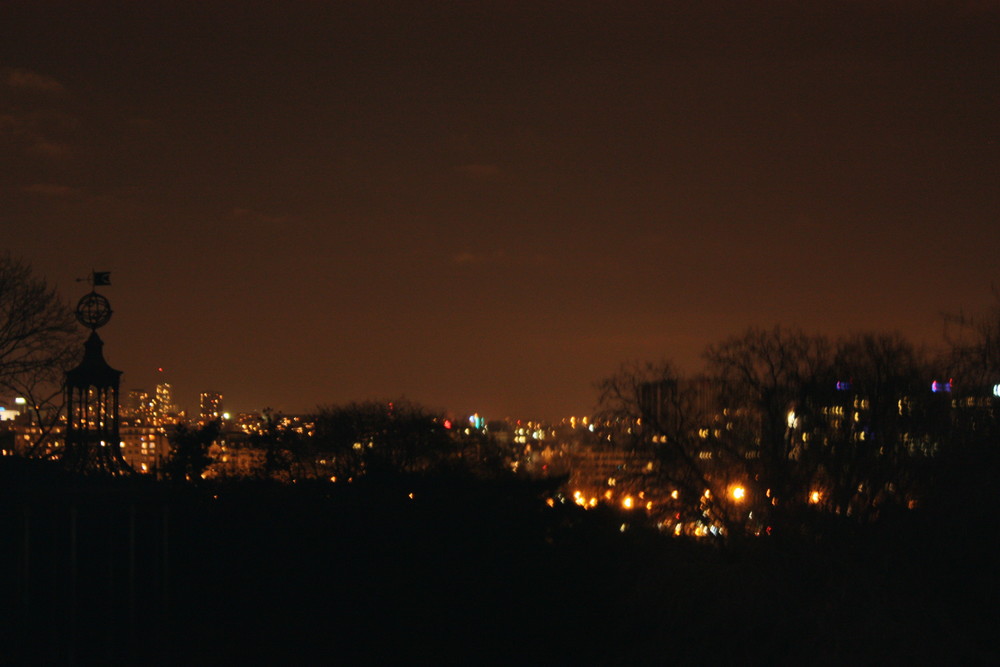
(467, 571)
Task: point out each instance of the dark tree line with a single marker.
(353, 440)
(783, 424)
(380, 436)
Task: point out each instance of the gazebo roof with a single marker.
(93, 371)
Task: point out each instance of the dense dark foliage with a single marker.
(103, 571)
(189, 447)
(378, 436)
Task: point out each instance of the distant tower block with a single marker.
(163, 412)
(93, 443)
(140, 408)
(210, 403)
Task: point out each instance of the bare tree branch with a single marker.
(39, 339)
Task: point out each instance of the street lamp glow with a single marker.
(738, 493)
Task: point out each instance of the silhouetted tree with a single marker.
(883, 419)
(42, 389)
(766, 378)
(769, 372)
(39, 339)
(288, 453)
(974, 347)
(189, 446)
(973, 362)
(787, 421)
(381, 435)
(652, 409)
(964, 480)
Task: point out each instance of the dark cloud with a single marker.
(52, 190)
(252, 217)
(480, 172)
(23, 79)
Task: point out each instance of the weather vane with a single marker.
(93, 310)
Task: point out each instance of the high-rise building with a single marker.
(210, 403)
(141, 408)
(164, 410)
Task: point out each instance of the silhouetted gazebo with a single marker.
(92, 440)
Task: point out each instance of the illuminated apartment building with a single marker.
(140, 408)
(145, 448)
(210, 403)
(163, 410)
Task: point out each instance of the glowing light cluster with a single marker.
(938, 387)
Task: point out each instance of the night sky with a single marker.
(487, 206)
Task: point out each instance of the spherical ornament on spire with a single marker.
(93, 311)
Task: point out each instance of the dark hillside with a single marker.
(127, 572)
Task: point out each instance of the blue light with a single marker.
(843, 386)
(938, 387)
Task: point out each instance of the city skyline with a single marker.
(488, 208)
